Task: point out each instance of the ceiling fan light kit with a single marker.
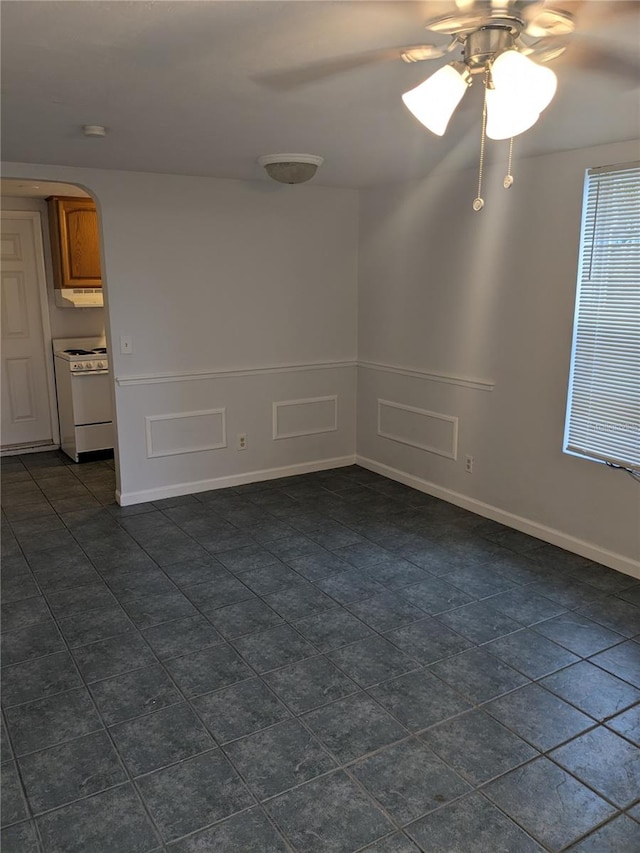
(517, 91)
(497, 41)
(434, 101)
(521, 90)
(505, 44)
(291, 168)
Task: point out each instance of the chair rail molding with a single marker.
(194, 375)
(381, 367)
(430, 376)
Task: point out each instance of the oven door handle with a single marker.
(90, 372)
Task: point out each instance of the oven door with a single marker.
(91, 396)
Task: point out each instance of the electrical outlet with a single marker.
(241, 442)
(468, 464)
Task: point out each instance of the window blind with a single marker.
(603, 409)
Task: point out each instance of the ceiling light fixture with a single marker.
(291, 168)
(96, 130)
(516, 90)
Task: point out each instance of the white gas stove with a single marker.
(83, 354)
(84, 393)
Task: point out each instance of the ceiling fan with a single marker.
(506, 43)
(532, 27)
(539, 29)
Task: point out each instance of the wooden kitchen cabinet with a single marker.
(75, 244)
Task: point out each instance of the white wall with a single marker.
(487, 296)
(65, 322)
(224, 278)
(218, 280)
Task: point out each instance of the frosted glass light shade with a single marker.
(507, 117)
(434, 101)
(522, 90)
(515, 74)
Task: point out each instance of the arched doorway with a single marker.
(36, 317)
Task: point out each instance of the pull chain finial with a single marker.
(508, 178)
(478, 202)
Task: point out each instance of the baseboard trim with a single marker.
(173, 491)
(533, 528)
(21, 449)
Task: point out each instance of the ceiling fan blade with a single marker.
(605, 9)
(546, 23)
(594, 18)
(314, 72)
(591, 54)
(472, 14)
(451, 25)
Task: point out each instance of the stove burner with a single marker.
(100, 351)
(79, 352)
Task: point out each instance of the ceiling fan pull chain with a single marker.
(478, 202)
(508, 178)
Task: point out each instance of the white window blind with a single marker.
(603, 410)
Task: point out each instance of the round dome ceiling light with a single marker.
(291, 168)
(94, 130)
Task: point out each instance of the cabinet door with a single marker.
(75, 242)
(81, 242)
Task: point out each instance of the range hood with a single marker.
(79, 297)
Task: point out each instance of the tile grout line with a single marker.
(130, 779)
(229, 642)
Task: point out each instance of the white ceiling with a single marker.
(183, 88)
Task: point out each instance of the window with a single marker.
(603, 408)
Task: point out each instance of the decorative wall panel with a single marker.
(430, 431)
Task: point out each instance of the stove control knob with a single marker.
(100, 365)
(75, 366)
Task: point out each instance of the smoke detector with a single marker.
(291, 168)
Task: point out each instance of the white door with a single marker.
(26, 407)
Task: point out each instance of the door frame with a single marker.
(41, 275)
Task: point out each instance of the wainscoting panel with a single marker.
(430, 431)
(186, 432)
(310, 416)
(182, 432)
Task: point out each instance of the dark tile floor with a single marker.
(328, 663)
